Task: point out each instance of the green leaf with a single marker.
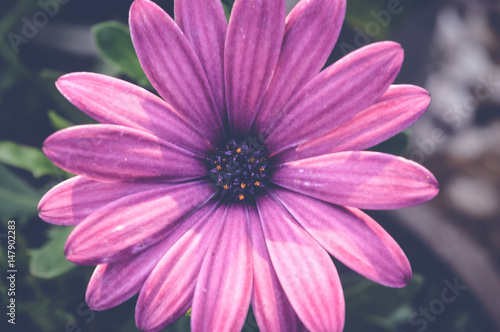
(360, 14)
(49, 261)
(115, 46)
(57, 121)
(27, 158)
(17, 199)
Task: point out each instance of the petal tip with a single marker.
(93, 302)
(404, 281)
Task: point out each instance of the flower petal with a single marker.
(75, 199)
(336, 95)
(115, 153)
(222, 296)
(352, 237)
(204, 25)
(398, 108)
(271, 307)
(123, 228)
(173, 67)
(114, 283)
(367, 180)
(311, 30)
(253, 43)
(304, 269)
(167, 293)
(112, 101)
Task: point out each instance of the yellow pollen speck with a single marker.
(262, 169)
(243, 186)
(238, 150)
(252, 160)
(226, 187)
(219, 167)
(257, 183)
(241, 197)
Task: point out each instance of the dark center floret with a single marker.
(238, 169)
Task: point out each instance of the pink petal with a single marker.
(114, 283)
(304, 269)
(222, 296)
(271, 307)
(129, 225)
(352, 237)
(253, 43)
(113, 101)
(367, 180)
(204, 25)
(173, 67)
(116, 153)
(311, 30)
(167, 293)
(398, 108)
(75, 199)
(336, 95)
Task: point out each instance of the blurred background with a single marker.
(452, 48)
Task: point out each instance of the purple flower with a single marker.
(238, 184)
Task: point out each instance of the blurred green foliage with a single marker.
(115, 46)
(26, 157)
(49, 261)
(18, 199)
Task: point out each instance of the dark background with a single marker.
(452, 48)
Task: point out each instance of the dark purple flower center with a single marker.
(238, 169)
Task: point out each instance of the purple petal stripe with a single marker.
(114, 153)
(113, 101)
(114, 283)
(352, 237)
(167, 293)
(222, 296)
(304, 269)
(366, 180)
(311, 30)
(398, 108)
(336, 95)
(129, 225)
(253, 43)
(271, 307)
(75, 199)
(204, 25)
(173, 67)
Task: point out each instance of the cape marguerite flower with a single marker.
(235, 186)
